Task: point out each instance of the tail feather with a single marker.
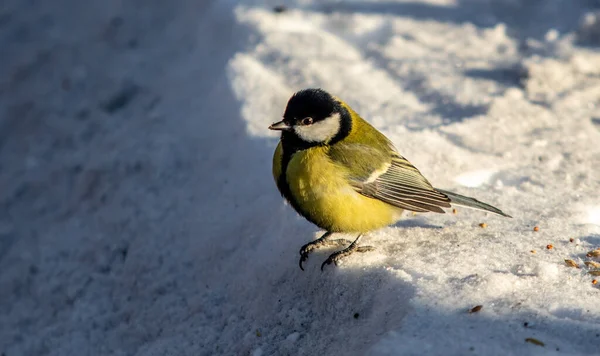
(472, 203)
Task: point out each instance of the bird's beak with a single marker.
(280, 126)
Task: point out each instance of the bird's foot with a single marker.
(317, 244)
(338, 256)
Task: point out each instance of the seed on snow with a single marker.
(594, 253)
(571, 263)
(592, 264)
(475, 309)
(534, 341)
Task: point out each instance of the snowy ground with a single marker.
(138, 215)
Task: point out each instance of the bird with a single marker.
(343, 175)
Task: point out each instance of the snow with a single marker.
(138, 215)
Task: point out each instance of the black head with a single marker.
(313, 117)
(315, 103)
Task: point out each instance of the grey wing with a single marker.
(402, 185)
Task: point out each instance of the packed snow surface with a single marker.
(138, 214)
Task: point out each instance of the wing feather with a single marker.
(407, 204)
(383, 174)
(401, 184)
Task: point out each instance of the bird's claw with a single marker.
(303, 258)
(311, 246)
(305, 250)
(338, 256)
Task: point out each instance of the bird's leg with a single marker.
(336, 257)
(322, 241)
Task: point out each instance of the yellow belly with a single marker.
(325, 197)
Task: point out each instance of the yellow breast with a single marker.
(323, 194)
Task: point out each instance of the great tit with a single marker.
(343, 175)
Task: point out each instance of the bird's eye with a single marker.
(307, 121)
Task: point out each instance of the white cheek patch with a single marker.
(320, 131)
